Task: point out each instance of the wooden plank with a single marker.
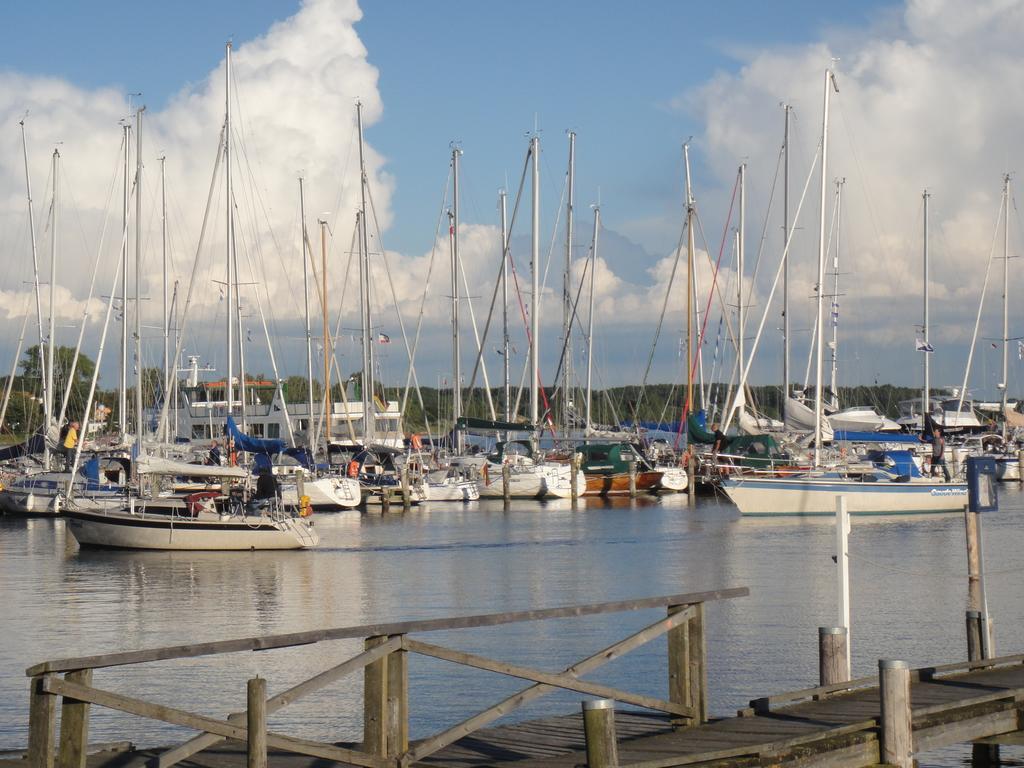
(174, 716)
(555, 680)
(281, 700)
(74, 725)
(42, 723)
(375, 701)
(968, 729)
(510, 703)
(266, 642)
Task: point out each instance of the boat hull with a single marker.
(125, 530)
(791, 496)
(1008, 468)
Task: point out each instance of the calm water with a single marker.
(908, 596)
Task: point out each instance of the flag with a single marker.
(383, 338)
(924, 346)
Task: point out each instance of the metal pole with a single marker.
(164, 432)
(1006, 285)
(310, 432)
(138, 276)
(369, 418)
(456, 359)
(504, 307)
(819, 321)
(327, 335)
(689, 282)
(926, 404)
(590, 317)
(785, 266)
(740, 246)
(229, 392)
(567, 285)
(535, 285)
(122, 392)
(35, 271)
(834, 314)
(51, 340)
(843, 573)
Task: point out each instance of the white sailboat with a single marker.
(867, 492)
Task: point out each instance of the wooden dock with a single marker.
(889, 718)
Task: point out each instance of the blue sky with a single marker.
(634, 83)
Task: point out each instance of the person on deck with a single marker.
(939, 454)
(213, 457)
(68, 446)
(267, 492)
(720, 439)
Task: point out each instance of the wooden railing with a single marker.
(384, 661)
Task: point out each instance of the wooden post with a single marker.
(375, 701)
(256, 720)
(42, 722)
(406, 501)
(506, 485)
(574, 485)
(398, 703)
(691, 478)
(698, 663)
(974, 647)
(896, 738)
(385, 499)
(976, 581)
(632, 479)
(599, 732)
(678, 666)
(300, 485)
(832, 655)
(74, 724)
(1020, 466)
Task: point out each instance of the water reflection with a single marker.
(908, 584)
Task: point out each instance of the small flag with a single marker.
(383, 338)
(924, 346)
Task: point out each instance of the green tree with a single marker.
(63, 357)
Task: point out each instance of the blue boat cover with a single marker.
(842, 435)
(248, 444)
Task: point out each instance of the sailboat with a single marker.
(869, 490)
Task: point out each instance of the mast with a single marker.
(310, 432)
(456, 360)
(785, 265)
(834, 345)
(369, 417)
(328, 408)
(535, 284)
(926, 404)
(1006, 286)
(504, 308)
(35, 257)
(689, 282)
(567, 286)
(740, 243)
(51, 340)
(138, 275)
(122, 392)
(590, 318)
(830, 81)
(229, 390)
(165, 307)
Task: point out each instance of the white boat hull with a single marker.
(1007, 468)
(798, 496)
(673, 479)
(326, 493)
(523, 483)
(127, 530)
(453, 489)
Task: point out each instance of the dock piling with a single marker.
(599, 732)
(405, 488)
(832, 655)
(574, 485)
(375, 701)
(42, 724)
(691, 477)
(632, 479)
(506, 482)
(894, 690)
(256, 720)
(74, 724)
